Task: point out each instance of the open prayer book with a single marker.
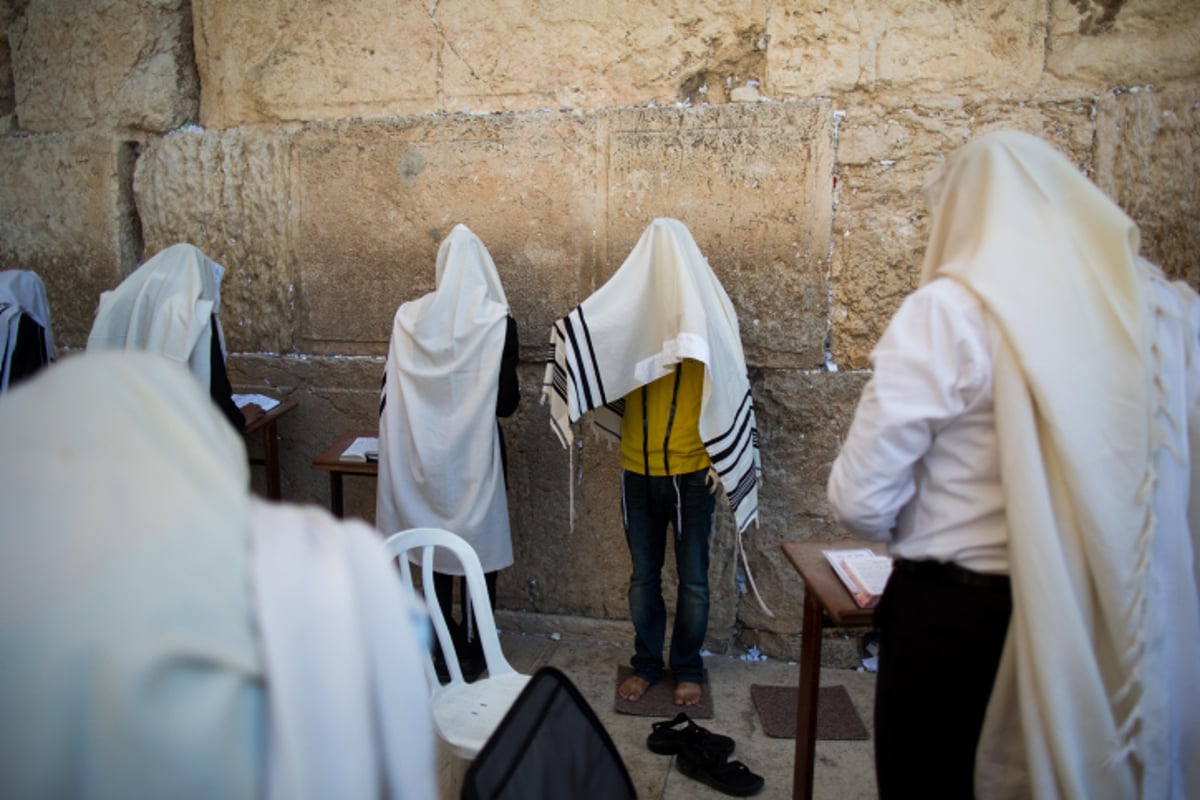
(863, 572)
(260, 400)
(362, 449)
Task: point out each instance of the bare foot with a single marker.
(687, 693)
(632, 688)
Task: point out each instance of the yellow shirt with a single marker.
(684, 452)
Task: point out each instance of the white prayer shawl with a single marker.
(165, 306)
(350, 717)
(663, 305)
(21, 291)
(1075, 710)
(439, 447)
(127, 644)
(163, 635)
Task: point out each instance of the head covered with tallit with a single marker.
(1055, 263)
(439, 450)
(164, 634)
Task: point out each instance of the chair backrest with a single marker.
(422, 543)
(550, 744)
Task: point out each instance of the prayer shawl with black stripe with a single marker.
(663, 305)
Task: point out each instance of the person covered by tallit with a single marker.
(26, 336)
(163, 633)
(451, 373)
(655, 356)
(171, 305)
(1025, 446)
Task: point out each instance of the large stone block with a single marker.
(754, 186)
(310, 60)
(819, 47)
(306, 60)
(373, 201)
(887, 148)
(1124, 43)
(118, 64)
(580, 54)
(66, 212)
(1148, 160)
(227, 193)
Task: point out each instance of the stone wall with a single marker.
(320, 151)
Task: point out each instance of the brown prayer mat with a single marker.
(659, 699)
(836, 717)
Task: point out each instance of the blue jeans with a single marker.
(649, 506)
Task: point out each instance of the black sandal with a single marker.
(728, 777)
(667, 739)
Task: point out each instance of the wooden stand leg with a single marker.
(806, 706)
(335, 493)
(271, 456)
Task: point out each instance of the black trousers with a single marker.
(466, 643)
(941, 633)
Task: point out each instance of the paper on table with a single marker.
(260, 400)
(364, 448)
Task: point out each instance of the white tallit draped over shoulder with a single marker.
(663, 305)
(1097, 694)
(439, 449)
(166, 306)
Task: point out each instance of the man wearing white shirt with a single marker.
(1023, 447)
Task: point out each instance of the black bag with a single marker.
(550, 744)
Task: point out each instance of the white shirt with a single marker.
(919, 467)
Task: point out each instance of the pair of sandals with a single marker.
(703, 756)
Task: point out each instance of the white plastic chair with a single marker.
(465, 713)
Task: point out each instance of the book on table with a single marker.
(363, 449)
(863, 572)
(261, 400)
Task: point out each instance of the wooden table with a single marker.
(331, 461)
(266, 425)
(826, 604)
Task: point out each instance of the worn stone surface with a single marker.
(66, 212)
(304, 61)
(116, 64)
(819, 47)
(227, 193)
(310, 60)
(1123, 43)
(373, 201)
(8, 12)
(887, 147)
(1148, 160)
(802, 418)
(754, 186)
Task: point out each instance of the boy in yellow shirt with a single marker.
(664, 483)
